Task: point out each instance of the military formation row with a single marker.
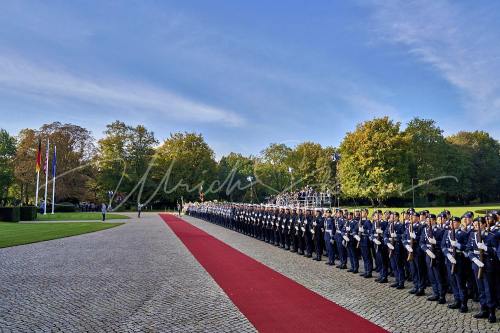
(460, 255)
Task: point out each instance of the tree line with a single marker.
(377, 163)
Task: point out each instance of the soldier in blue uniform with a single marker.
(317, 233)
(339, 241)
(482, 247)
(365, 230)
(429, 243)
(307, 224)
(351, 229)
(453, 245)
(393, 238)
(377, 237)
(416, 256)
(293, 232)
(301, 232)
(329, 237)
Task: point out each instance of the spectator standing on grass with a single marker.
(139, 209)
(104, 210)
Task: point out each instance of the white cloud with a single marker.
(23, 77)
(460, 44)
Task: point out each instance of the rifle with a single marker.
(481, 252)
(391, 239)
(410, 230)
(431, 235)
(360, 233)
(453, 252)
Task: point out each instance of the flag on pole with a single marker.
(39, 156)
(54, 164)
(45, 167)
(37, 168)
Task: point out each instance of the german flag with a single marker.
(39, 156)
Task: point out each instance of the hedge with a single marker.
(10, 214)
(64, 207)
(28, 213)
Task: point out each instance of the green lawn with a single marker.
(12, 234)
(89, 216)
(456, 211)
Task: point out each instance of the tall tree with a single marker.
(427, 155)
(233, 171)
(484, 153)
(185, 163)
(374, 163)
(7, 153)
(125, 154)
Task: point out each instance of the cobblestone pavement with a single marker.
(395, 310)
(137, 277)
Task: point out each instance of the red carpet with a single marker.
(271, 301)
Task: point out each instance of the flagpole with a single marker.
(46, 177)
(54, 179)
(37, 185)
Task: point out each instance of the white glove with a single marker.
(451, 259)
(357, 238)
(361, 229)
(482, 246)
(408, 248)
(297, 228)
(430, 254)
(331, 233)
(345, 238)
(331, 241)
(389, 245)
(288, 227)
(453, 243)
(303, 229)
(378, 230)
(393, 234)
(478, 262)
(376, 241)
(413, 235)
(314, 223)
(432, 240)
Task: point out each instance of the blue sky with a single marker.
(248, 73)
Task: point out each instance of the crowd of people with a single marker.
(307, 197)
(450, 254)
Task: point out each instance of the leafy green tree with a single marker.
(185, 165)
(7, 153)
(427, 156)
(233, 171)
(483, 152)
(374, 163)
(125, 154)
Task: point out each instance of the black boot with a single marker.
(442, 300)
(420, 292)
(454, 305)
(482, 314)
(492, 317)
(433, 298)
(464, 308)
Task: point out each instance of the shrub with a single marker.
(28, 213)
(64, 207)
(10, 214)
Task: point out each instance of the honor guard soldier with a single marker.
(329, 237)
(482, 247)
(317, 233)
(393, 239)
(379, 227)
(339, 240)
(365, 230)
(429, 242)
(453, 245)
(416, 257)
(351, 230)
(308, 220)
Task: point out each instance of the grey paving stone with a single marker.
(137, 277)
